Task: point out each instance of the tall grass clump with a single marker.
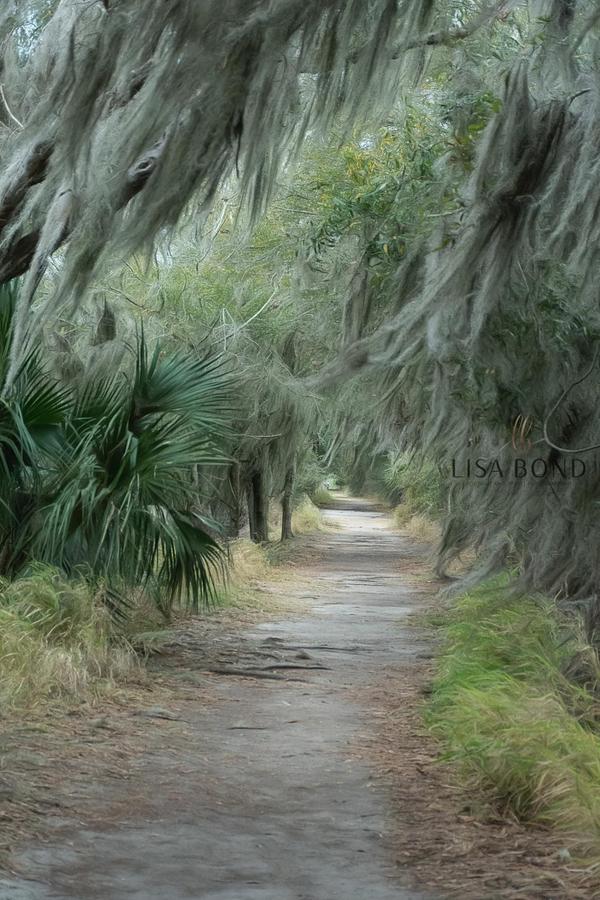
(248, 566)
(57, 640)
(509, 712)
(307, 517)
(321, 496)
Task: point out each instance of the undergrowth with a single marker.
(307, 516)
(321, 496)
(251, 564)
(416, 489)
(509, 713)
(56, 640)
(59, 641)
(248, 566)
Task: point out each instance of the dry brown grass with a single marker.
(416, 525)
(306, 518)
(57, 641)
(422, 528)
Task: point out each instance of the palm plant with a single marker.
(32, 417)
(98, 475)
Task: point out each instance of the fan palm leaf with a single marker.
(101, 478)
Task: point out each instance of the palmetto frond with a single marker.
(105, 473)
(181, 385)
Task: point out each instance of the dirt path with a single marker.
(257, 793)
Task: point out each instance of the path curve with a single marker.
(258, 795)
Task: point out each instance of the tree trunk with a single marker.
(258, 508)
(236, 510)
(286, 505)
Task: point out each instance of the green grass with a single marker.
(515, 706)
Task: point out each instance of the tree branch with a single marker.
(20, 252)
(11, 115)
(30, 174)
(450, 36)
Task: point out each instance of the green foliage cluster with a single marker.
(375, 190)
(461, 281)
(321, 496)
(245, 297)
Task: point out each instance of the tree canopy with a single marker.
(382, 214)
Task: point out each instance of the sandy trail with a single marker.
(258, 795)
